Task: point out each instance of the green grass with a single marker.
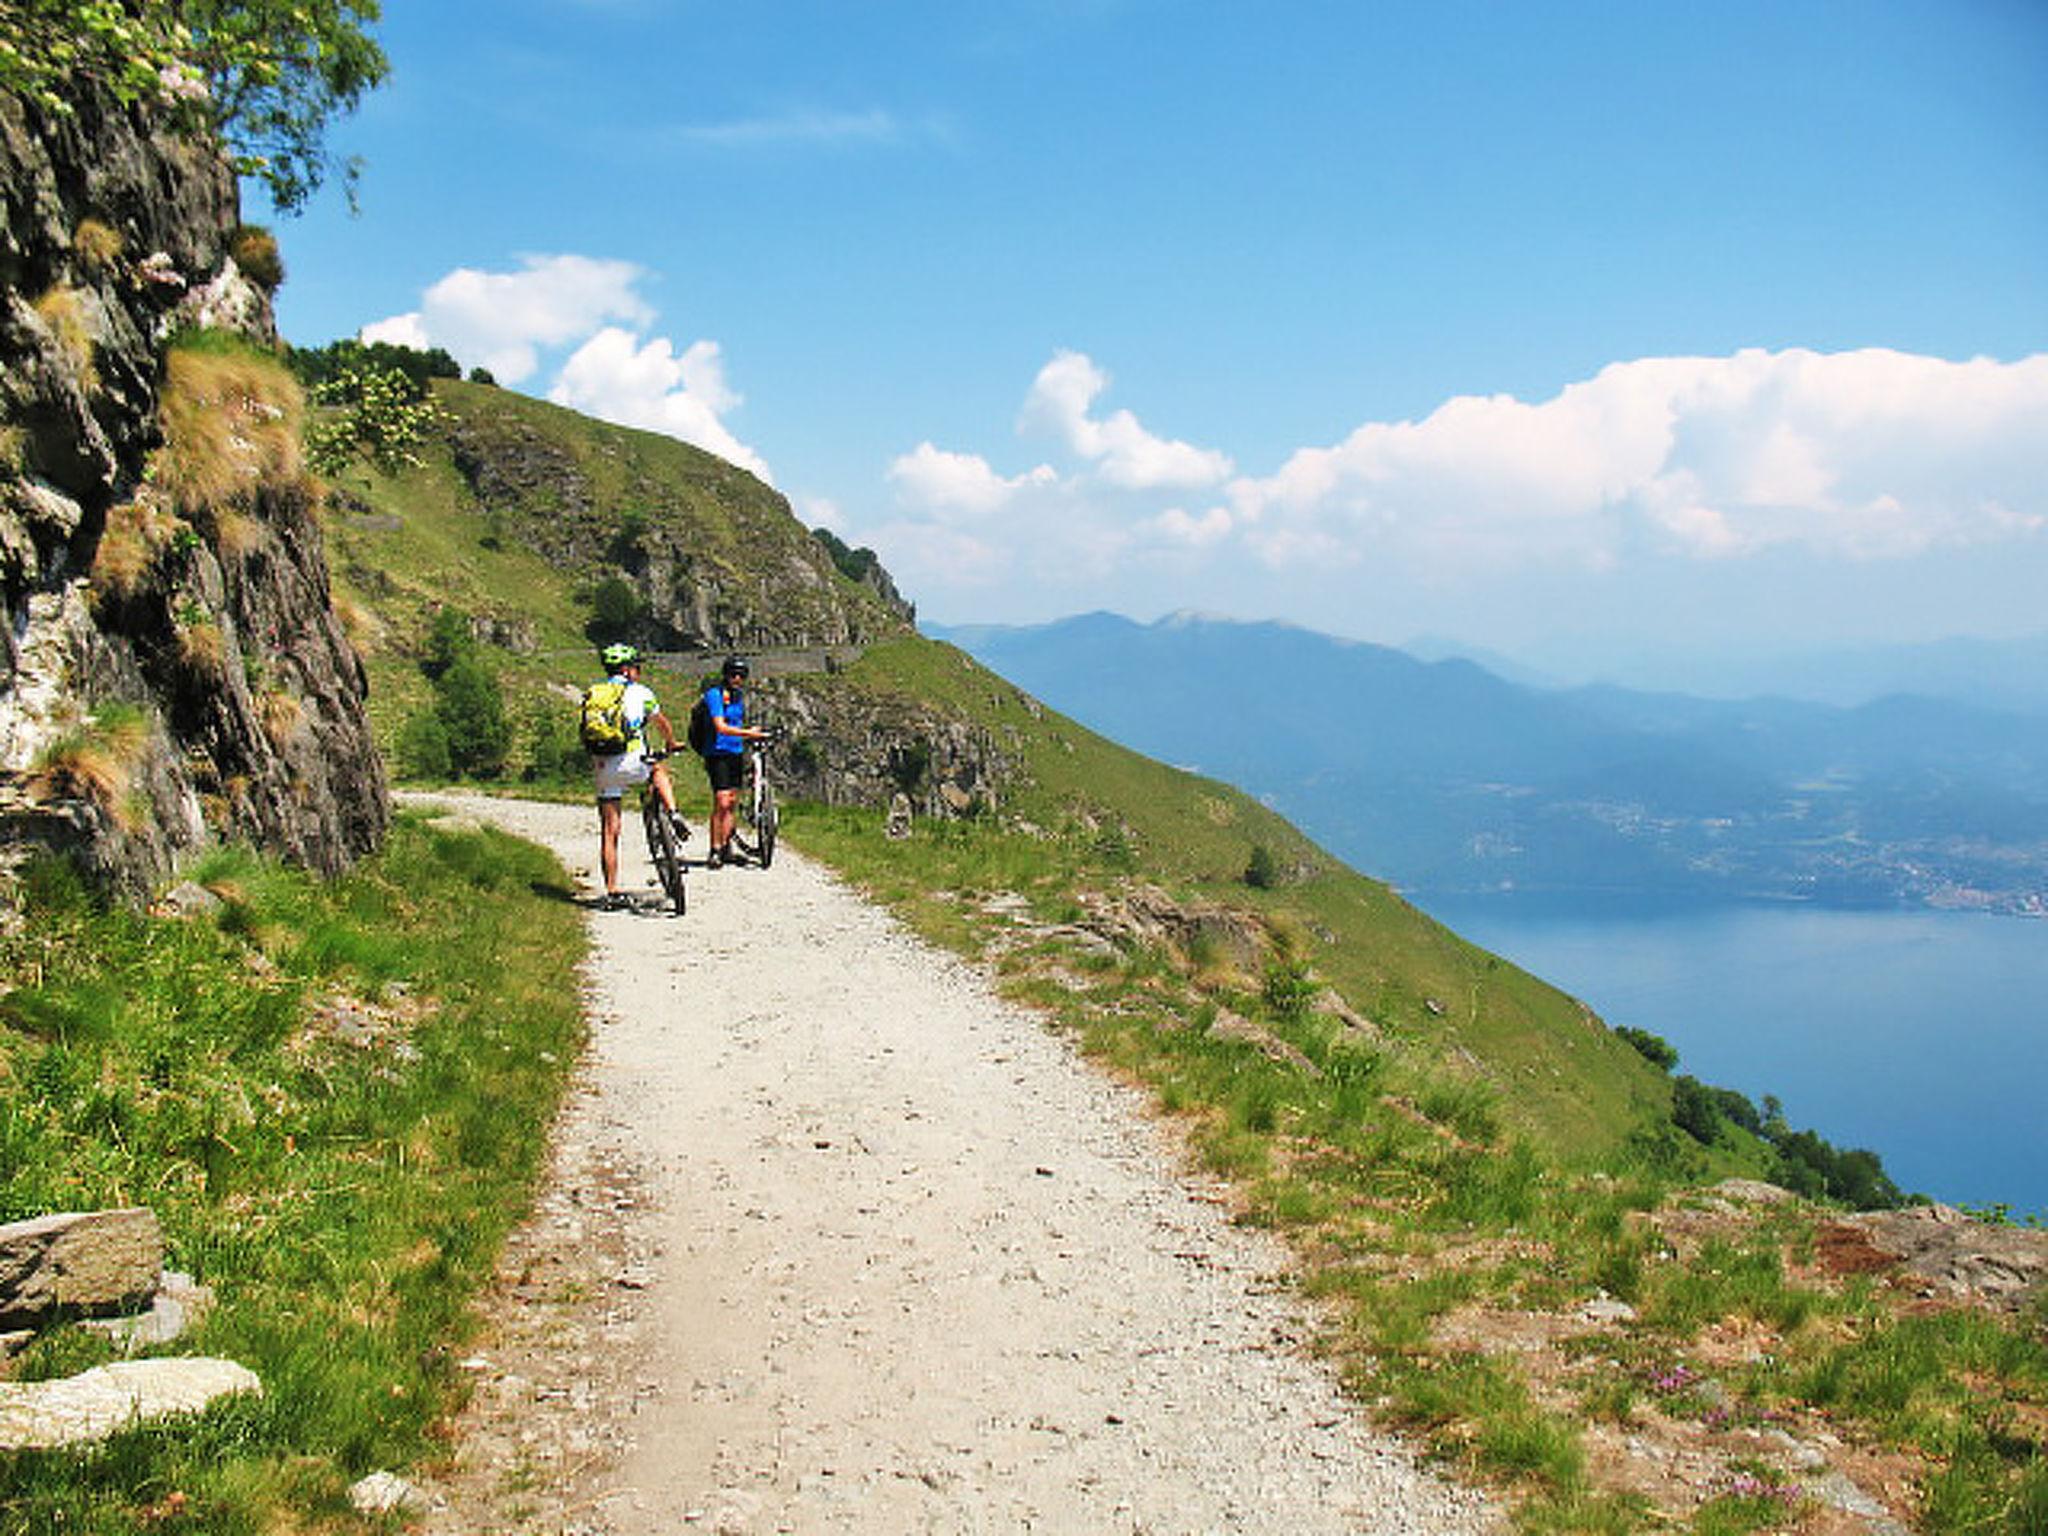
(335, 1098)
(1411, 1186)
(1485, 1143)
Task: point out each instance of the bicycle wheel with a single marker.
(764, 827)
(665, 852)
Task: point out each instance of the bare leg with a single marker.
(608, 844)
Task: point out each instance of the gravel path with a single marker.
(864, 1248)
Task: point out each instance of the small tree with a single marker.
(1655, 1049)
(472, 708)
(1262, 870)
(266, 76)
(449, 640)
(423, 747)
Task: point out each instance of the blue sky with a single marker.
(1571, 329)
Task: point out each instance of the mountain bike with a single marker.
(757, 807)
(664, 847)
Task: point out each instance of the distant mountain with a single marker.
(2006, 675)
(1444, 777)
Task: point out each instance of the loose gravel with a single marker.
(837, 1240)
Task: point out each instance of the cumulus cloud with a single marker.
(1128, 455)
(617, 377)
(500, 320)
(1657, 464)
(1861, 455)
(939, 481)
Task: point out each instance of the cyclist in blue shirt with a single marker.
(724, 763)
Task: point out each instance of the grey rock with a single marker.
(176, 1308)
(898, 826)
(189, 899)
(44, 1415)
(78, 1263)
(383, 1493)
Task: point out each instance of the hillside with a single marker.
(519, 509)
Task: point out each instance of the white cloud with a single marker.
(1679, 472)
(803, 126)
(936, 480)
(504, 320)
(1129, 456)
(1857, 455)
(500, 320)
(399, 331)
(617, 377)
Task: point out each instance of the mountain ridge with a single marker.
(1441, 776)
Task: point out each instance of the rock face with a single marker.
(853, 748)
(169, 670)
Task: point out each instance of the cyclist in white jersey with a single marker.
(632, 766)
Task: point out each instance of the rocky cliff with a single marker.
(715, 559)
(172, 668)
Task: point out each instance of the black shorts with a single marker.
(725, 769)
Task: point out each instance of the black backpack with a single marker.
(702, 733)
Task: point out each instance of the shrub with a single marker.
(423, 747)
(1655, 1049)
(377, 414)
(1262, 870)
(472, 708)
(554, 752)
(1693, 1110)
(449, 640)
(617, 611)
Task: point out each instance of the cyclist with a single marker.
(632, 766)
(724, 760)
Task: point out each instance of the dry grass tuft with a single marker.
(231, 425)
(365, 631)
(254, 250)
(203, 645)
(135, 534)
(281, 714)
(97, 245)
(95, 761)
(237, 535)
(62, 311)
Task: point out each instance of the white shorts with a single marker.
(614, 774)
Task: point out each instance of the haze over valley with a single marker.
(1447, 778)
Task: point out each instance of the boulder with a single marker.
(79, 1264)
(45, 1415)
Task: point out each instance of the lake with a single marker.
(1922, 1036)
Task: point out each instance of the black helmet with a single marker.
(734, 667)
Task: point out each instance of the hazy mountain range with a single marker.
(1443, 776)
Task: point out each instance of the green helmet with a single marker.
(617, 656)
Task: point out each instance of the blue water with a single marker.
(1921, 1036)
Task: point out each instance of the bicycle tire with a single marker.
(764, 828)
(665, 852)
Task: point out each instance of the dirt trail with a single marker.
(839, 1241)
